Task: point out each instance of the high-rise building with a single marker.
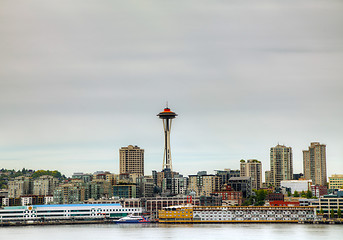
(20, 186)
(131, 160)
(226, 174)
(98, 189)
(125, 191)
(145, 186)
(177, 185)
(268, 177)
(242, 184)
(203, 184)
(45, 185)
(315, 163)
(252, 168)
(70, 193)
(281, 165)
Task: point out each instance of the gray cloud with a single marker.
(81, 79)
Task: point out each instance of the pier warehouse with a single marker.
(66, 211)
(222, 214)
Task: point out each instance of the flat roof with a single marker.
(79, 205)
(66, 205)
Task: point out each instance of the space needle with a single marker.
(167, 115)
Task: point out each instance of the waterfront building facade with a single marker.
(222, 214)
(306, 201)
(328, 203)
(314, 163)
(284, 203)
(153, 205)
(252, 168)
(131, 160)
(336, 181)
(66, 212)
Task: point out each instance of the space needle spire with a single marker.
(167, 115)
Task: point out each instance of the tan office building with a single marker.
(45, 185)
(203, 185)
(336, 181)
(20, 186)
(131, 160)
(281, 165)
(315, 163)
(252, 168)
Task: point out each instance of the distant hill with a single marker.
(7, 175)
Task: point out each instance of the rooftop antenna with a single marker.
(167, 104)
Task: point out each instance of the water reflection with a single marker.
(184, 231)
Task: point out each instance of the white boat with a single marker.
(133, 219)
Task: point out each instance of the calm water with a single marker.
(155, 231)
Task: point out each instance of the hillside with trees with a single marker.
(7, 175)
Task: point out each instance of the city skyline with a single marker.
(77, 84)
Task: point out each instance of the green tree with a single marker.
(321, 211)
(339, 213)
(332, 213)
(309, 194)
(17, 174)
(303, 194)
(246, 203)
(295, 194)
(54, 173)
(261, 195)
(289, 194)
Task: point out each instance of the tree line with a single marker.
(9, 174)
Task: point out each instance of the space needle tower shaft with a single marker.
(167, 115)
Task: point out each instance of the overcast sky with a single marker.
(80, 79)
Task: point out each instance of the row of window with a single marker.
(119, 210)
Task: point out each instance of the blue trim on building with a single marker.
(80, 205)
(67, 205)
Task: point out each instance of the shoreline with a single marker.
(88, 222)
